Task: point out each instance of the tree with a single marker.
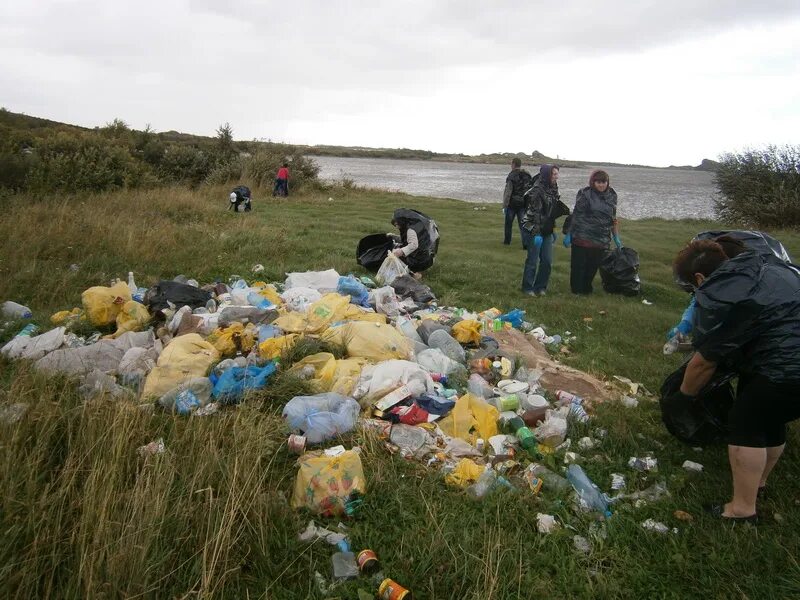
(225, 141)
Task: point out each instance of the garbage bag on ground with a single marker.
(33, 347)
(165, 292)
(619, 271)
(231, 386)
(407, 287)
(184, 357)
(701, 420)
(385, 301)
(467, 332)
(298, 299)
(245, 314)
(136, 363)
(134, 316)
(104, 355)
(325, 483)
(391, 268)
(445, 342)
(374, 341)
(323, 416)
(317, 369)
(465, 473)
(331, 307)
(234, 338)
(323, 281)
(434, 360)
(471, 418)
(372, 249)
(102, 304)
(351, 286)
(378, 380)
(272, 348)
(96, 383)
(64, 317)
(346, 375)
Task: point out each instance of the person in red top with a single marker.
(282, 181)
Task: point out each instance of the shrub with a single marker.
(185, 164)
(760, 188)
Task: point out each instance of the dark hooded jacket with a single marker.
(518, 182)
(758, 241)
(748, 317)
(427, 236)
(593, 217)
(543, 207)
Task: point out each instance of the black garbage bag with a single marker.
(372, 249)
(620, 272)
(406, 286)
(701, 420)
(180, 294)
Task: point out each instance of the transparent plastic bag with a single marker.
(391, 269)
(323, 416)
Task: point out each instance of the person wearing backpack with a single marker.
(518, 182)
(590, 230)
(240, 195)
(542, 208)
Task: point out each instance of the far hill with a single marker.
(19, 121)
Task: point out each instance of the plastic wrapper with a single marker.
(391, 268)
(471, 418)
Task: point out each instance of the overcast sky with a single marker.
(656, 83)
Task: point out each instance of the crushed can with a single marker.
(296, 443)
(391, 590)
(367, 562)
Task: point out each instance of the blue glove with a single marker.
(555, 237)
(684, 328)
(617, 241)
(537, 241)
(567, 240)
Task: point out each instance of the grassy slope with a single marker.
(82, 515)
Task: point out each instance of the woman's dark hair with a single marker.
(703, 256)
(599, 175)
(516, 162)
(730, 246)
(286, 165)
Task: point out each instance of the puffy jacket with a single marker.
(540, 205)
(427, 235)
(748, 317)
(518, 182)
(759, 241)
(593, 217)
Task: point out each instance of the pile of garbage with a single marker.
(473, 394)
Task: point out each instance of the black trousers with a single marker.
(584, 263)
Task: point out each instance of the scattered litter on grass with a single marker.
(581, 544)
(13, 413)
(629, 402)
(647, 302)
(682, 515)
(617, 481)
(657, 526)
(546, 523)
(692, 466)
(647, 463)
(153, 448)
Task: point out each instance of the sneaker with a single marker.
(541, 293)
(529, 293)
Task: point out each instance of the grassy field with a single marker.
(83, 516)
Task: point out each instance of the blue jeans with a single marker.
(510, 214)
(538, 264)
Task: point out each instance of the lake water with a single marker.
(642, 193)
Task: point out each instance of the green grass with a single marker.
(82, 515)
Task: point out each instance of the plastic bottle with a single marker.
(409, 330)
(187, 396)
(257, 300)
(344, 562)
(517, 427)
(211, 306)
(575, 404)
(132, 283)
(29, 330)
(672, 345)
(239, 284)
(507, 402)
(478, 386)
(587, 490)
(12, 310)
(483, 486)
(266, 332)
(551, 479)
(448, 345)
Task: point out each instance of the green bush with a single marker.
(260, 169)
(185, 164)
(760, 188)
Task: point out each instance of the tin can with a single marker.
(296, 443)
(391, 590)
(567, 397)
(367, 562)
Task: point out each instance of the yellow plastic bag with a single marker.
(293, 322)
(356, 313)
(62, 316)
(470, 419)
(185, 357)
(324, 482)
(374, 341)
(326, 310)
(272, 348)
(465, 473)
(224, 339)
(103, 304)
(346, 375)
(324, 367)
(467, 332)
(134, 316)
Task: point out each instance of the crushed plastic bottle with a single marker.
(488, 481)
(13, 310)
(588, 492)
(448, 345)
(551, 480)
(257, 300)
(29, 330)
(188, 396)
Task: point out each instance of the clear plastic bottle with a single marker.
(483, 486)
(188, 396)
(588, 491)
(257, 300)
(448, 345)
(406, 325)
(550, 479)
(12, 310)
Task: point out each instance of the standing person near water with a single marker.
(538, 223)
(590, 229)
(282, 181)
(518, 182)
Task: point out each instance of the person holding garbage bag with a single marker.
(542, 208)
(590, 229)
(418, 241)
(747, 319)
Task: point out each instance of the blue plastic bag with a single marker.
(323, 416)
(230, 386)
(351, 286)
(515, 317)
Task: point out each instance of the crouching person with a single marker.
(240, 196)
(747, 317)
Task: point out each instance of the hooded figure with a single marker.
(419, 238)
(590, 229)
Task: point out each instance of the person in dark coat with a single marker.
(747, 319)
(418, 241)
(518, 182)
(538, 223)
(590, 230)
(240, 196)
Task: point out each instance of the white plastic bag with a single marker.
(322, 281)
(299, 299)
(434, 360)
(385, 301)
(323, 416)
(377, 380)
(391, 269)
(552, 431)
(34, 348)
